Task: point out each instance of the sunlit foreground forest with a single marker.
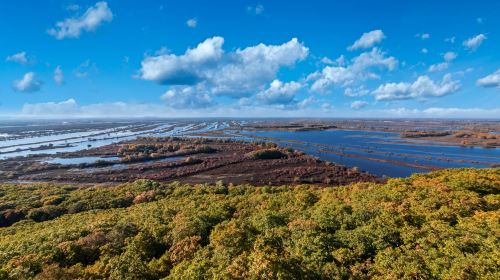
(443, 225)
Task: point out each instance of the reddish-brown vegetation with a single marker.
(206, 161)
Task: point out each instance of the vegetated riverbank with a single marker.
(454, 132)
(190, 160)
(460, 137)
(440, 225)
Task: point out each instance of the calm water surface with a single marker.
(359, 145)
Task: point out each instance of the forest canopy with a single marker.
(441, 225)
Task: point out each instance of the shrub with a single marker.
(53, 200)
(267, 154)
(184, 249)
(45, 213)
(205, 149)
(145, 197)
(10, 216)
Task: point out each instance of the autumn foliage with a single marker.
(442, 225)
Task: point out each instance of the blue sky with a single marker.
(250, 59)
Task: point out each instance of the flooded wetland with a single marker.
(85, 150)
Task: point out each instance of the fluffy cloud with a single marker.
(306, 102)
(89, 21)
(358, 104)
(186, 98)
(327, 60)
(424, 50)
(423, 87)
(368, 40)
(423, 36)
(58, 75)
(438, 67)
(355, 92)
(279, 93)
(186, 69)
(474, 42)
(374, 58)
(18, 57)
(237, 73)
(331, 76)
(340, 61)
(28, 83)
(358, 70)
(450, 56)
(492, 80)
(192, 22)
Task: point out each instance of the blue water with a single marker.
(172, 159)
(80, 160)
(120, 166)
(383, 146)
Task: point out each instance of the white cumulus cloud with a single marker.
(355, 92)
(359, 69)
(450, 56)
(279, 93)
(474, 42)
(423, 87)
(28, 83)
(186, 98)
(491, 80)
(368, 40)
(438, 67)
(18, 57)
(192, 22)
(423, 36)
(188, 68)
(89, 21)
(237, 73)
(358, 104)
